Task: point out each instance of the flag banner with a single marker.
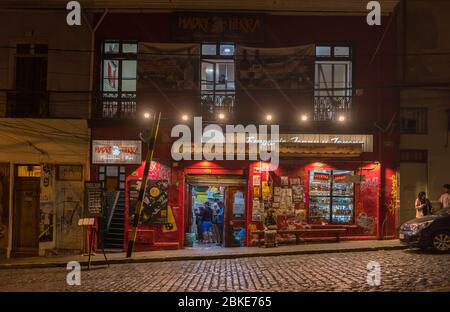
(168, 66)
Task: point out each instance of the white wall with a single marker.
(436, 141)
(413, 179)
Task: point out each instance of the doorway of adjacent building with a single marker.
(26, 214)
(224, 198)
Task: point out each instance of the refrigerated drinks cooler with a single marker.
(330, 197)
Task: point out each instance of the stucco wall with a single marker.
(67, 70)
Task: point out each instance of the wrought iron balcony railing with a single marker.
(27, 104)
(114, 105)
(331, 107)
(213, 103)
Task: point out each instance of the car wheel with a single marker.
(441, 241)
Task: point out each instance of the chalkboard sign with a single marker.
(93, 198)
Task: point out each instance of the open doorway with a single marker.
(215, 212)
(207, 215)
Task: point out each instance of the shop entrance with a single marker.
(215, 211)
(26, 211)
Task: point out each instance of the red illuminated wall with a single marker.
(366, 193)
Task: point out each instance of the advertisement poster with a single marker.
(155, 210)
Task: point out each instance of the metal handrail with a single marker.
(113, 208)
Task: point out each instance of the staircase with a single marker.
(115, 235)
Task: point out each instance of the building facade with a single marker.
(319, 72)
(329, 85)
(424, 100)
(44, 134)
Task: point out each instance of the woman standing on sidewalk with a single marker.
(423, 205)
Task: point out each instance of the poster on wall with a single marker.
(168, 66)
(70, 172)
(46, 222)
(155, 203)
(47, 184)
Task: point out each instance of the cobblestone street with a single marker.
(400, 270)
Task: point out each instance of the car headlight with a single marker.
(420, 226)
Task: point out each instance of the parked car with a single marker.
(428, 231)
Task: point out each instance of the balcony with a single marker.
(214, 103)
(27, 104)
(331, 107)
(114, 105)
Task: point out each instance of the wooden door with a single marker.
(235, 216)
(26, 217)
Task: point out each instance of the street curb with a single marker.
(7, 266)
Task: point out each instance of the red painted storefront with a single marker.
(374, 68)
(374, 209)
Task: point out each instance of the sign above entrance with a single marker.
(366, 140)
(116, 152)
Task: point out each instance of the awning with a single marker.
(28, 140)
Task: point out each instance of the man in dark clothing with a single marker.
(219, 220)
(198, 223)
(207, 223)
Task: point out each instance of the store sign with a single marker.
(341, 177)
(116, 152)
(218, 26)
(365, 139)
(321, 176)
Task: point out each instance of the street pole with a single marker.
(139, 204)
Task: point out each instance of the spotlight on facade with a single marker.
(304, 117)
(341, 118)
(268, 117)
(221, 116)
(146, 115)
(184, 117)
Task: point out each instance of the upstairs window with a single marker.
(413, 120)
(217, 77)
(119, 71)
(333, 82)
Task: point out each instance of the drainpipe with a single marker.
(91, 68)
(10, 212)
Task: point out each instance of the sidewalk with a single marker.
(203, 254)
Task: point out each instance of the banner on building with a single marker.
(168, 66)
(289, 68)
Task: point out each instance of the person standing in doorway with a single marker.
(207, 223)
(198, 223)
(219, 221)
(423, 205)
(444, 200)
